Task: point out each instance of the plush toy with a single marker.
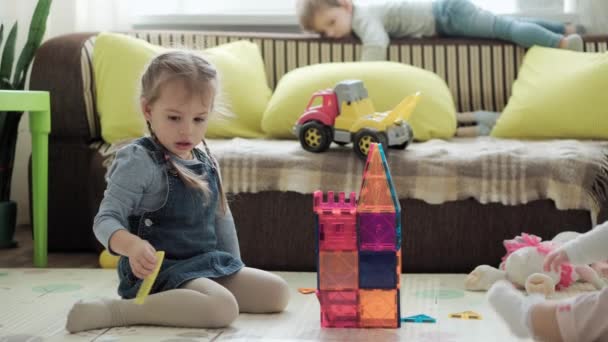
(523, 266)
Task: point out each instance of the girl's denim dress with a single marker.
(184, 227)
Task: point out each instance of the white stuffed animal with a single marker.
(523, 266)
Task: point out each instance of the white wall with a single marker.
(66, 16)
(594, 13)
(21, 11)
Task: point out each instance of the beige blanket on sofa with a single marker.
(572, 173)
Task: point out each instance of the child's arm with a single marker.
(225, 231)
(373, 36)
(589, 247)
(142, 256)
(128, 179)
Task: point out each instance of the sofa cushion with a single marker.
(119, 61)
(387, 84)
(558, 94)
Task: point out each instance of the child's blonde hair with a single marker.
(199, 76)
(307, 9)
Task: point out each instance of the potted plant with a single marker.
(13, 77)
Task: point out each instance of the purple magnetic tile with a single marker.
(377, 232)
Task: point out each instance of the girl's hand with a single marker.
(554, 260)
(142, 258)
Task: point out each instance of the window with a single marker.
(282, 11)
(147, 7)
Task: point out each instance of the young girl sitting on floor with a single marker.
(165, 194)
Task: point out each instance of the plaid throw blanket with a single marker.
(572, 173)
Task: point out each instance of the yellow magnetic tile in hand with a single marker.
(146, 285)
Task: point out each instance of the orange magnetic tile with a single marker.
(378, 308)
(338, 270)
(375, 194)
(306, 290)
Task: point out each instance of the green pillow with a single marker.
(119, 61)
(387, 84)
(557, 94)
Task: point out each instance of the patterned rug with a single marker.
(34, 304)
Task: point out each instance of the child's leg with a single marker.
(525, 33)
(463, 18)
(473, 124)
(553, 26)
(513, 307)
(257, 291)
(466, 118)
(543, 322)
(478, 130)
(557, 27)
(200, 303)
(583, 318)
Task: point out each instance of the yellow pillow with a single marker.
(387, 84)
(558, 94)
(119, 61)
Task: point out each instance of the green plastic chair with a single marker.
(38, 104)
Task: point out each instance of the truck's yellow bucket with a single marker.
(405, 108)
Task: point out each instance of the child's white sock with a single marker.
(574, 42)
(513, 307)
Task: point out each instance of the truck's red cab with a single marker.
(322, 107)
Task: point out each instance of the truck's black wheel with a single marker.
(363, 140)
(315, 137)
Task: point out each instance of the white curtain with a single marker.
(69, 16)
(593, 14)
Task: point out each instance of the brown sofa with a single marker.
(275, 233)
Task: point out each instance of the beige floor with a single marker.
(34, 304)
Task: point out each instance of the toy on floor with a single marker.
(306, 290)
(107, 260)
(419, 319)
(146, 285)
(466, 315)
(523, 266)
(346, 114)
(359, 251)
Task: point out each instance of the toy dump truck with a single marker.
(346, 114)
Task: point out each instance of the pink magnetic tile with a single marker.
(338, 270)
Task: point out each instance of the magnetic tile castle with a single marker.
(359, 251)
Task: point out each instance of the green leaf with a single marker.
(8, 54)
(6, 84)
(34, 38)
(1, 34)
